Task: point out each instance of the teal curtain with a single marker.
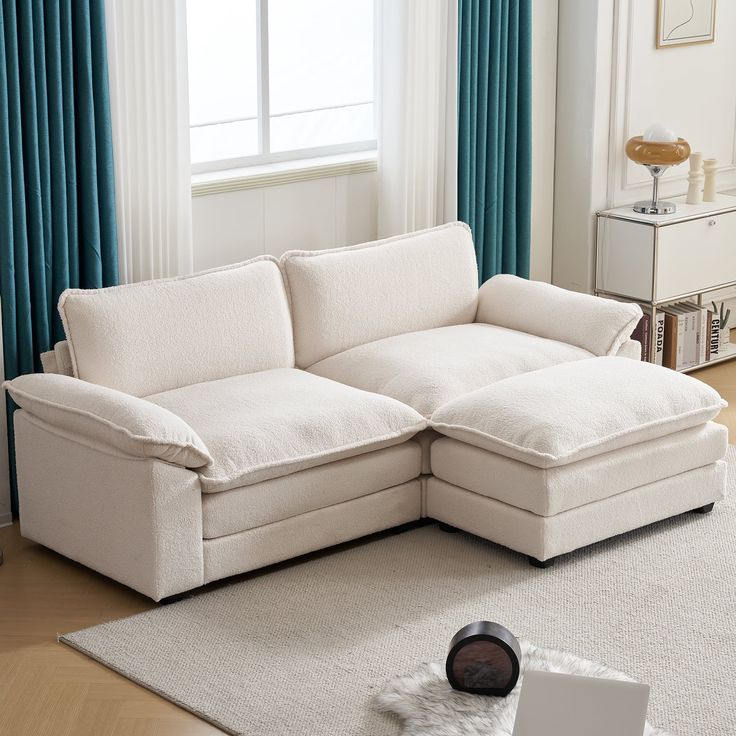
(495, 131)
(57, 195)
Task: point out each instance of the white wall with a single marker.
(612, 83)
(317, 213)
(690, 88)
(581, 141)
(544, 100)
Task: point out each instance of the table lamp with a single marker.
(658, 149)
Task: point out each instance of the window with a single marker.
(275, 80)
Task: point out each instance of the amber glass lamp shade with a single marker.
(657, 156)
(652, 153)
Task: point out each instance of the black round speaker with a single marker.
(484, 659)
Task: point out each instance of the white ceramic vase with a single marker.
(695, 179)
(710, 166)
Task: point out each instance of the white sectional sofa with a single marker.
(194, 428)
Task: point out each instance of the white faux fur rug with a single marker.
(428, 706)
(303, 650)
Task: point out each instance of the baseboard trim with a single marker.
(6, 519)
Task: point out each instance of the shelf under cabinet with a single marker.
(658, 261)
(724, 353)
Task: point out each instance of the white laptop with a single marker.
(551, 704)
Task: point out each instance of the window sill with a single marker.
(269, 175)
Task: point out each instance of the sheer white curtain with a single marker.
(417, 127)
(147, 49)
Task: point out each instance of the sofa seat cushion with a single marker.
(569, 412)
(550, 491)
(429, 368)
(273, 423)
(316, 488)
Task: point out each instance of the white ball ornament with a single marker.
(659, 133)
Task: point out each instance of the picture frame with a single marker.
(685, 22)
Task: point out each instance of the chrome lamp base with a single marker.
(645, 207)
(655, 207)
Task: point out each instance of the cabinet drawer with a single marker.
(695, 255)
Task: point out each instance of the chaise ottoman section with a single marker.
(556, 459)
(550, 491)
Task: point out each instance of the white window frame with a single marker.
(263, 116)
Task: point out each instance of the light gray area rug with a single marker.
(304, 650)
(428, 706)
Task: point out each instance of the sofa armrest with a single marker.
(600, 326)
(136, 520)
(58, 360)
(126, 423)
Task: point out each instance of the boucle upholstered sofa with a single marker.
(190, 429)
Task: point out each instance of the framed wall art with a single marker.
(681, 22)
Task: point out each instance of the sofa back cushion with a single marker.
(345, 297)
(155, 336)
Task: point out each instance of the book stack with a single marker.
(690, 335)
(642, 332)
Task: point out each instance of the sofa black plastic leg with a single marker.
(172, 599)
(704, 509)
(543, 564)
(401, 528)
(447, 528)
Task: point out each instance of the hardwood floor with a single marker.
(47, 688)
(723, 379)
